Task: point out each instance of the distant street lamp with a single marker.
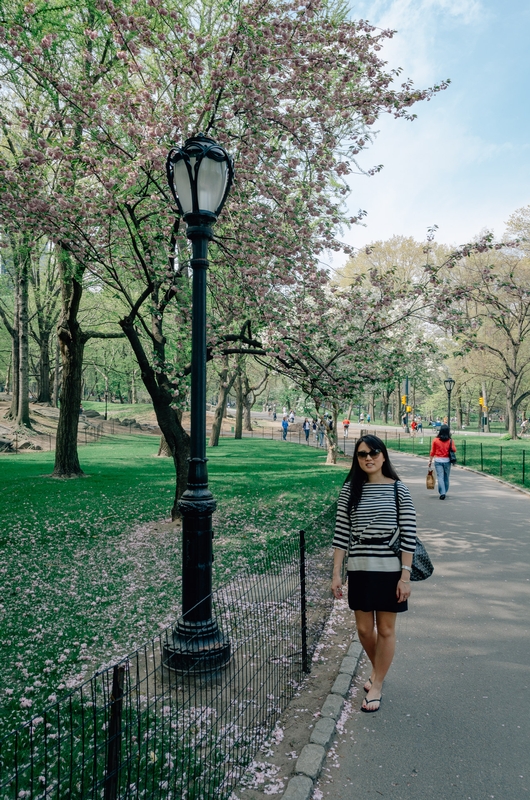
(200, 175)
(449, 385)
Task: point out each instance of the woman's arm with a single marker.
(403, 587)
(336, 581)
(431, 454)
(407, 527)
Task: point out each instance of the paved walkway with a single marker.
(455, 717)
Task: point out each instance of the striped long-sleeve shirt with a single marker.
(372, 526)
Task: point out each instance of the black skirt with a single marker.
(374, 591)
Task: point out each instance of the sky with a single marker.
(464, 163)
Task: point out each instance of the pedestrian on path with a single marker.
(345, 425)
(285, 428)
(307, 427)
(321, 433)
(441, 446)
(378, 581)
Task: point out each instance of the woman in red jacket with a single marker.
(441, 446)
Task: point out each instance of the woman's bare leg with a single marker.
(379, 644)
(365, 621)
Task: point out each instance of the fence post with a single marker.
(464, 445)
(114, 735)
(500, 462)
(399, 441)
(523, 465)
(303, 614)
(481, 458)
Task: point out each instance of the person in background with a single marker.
(441, 445)
(306, 428)
(321, 432)
(285, 428)
(361, 417)
(368, 418)
(345, 425)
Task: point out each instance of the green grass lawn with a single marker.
(84, 575)
(495, 456)
(119, 410)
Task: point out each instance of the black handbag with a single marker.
(452, 454)
(422, 566)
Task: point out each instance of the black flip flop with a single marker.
(373, 700)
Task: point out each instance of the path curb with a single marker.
(311, 759)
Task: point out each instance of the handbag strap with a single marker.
(396, 500)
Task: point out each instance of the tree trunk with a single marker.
(44, 395)
(164, 449)
(238, 385)
(511, 416)
(134, 395)
(72, 345)
(12, 413)
(385, 402)
(225, 384)
(331, 437)
(23, 364)
(56, 371)
(8, 375)
(247, 417)
(168, 418)
(459, 409)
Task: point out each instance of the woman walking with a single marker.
(378, 581)
(440, 448)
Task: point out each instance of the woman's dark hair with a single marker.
(444, 434)
(357, 477)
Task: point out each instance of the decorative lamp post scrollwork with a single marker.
(200, 175)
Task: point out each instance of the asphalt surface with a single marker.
(455, 716)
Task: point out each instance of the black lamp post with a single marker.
(200, 175)
(449, 385)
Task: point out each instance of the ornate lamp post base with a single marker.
(196, 647)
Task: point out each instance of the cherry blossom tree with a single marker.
(291, 89)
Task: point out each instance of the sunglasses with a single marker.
(366, 453)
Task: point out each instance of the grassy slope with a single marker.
(84, 577)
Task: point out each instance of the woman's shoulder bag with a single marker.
(422, 566)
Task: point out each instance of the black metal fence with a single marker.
(141, 730)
